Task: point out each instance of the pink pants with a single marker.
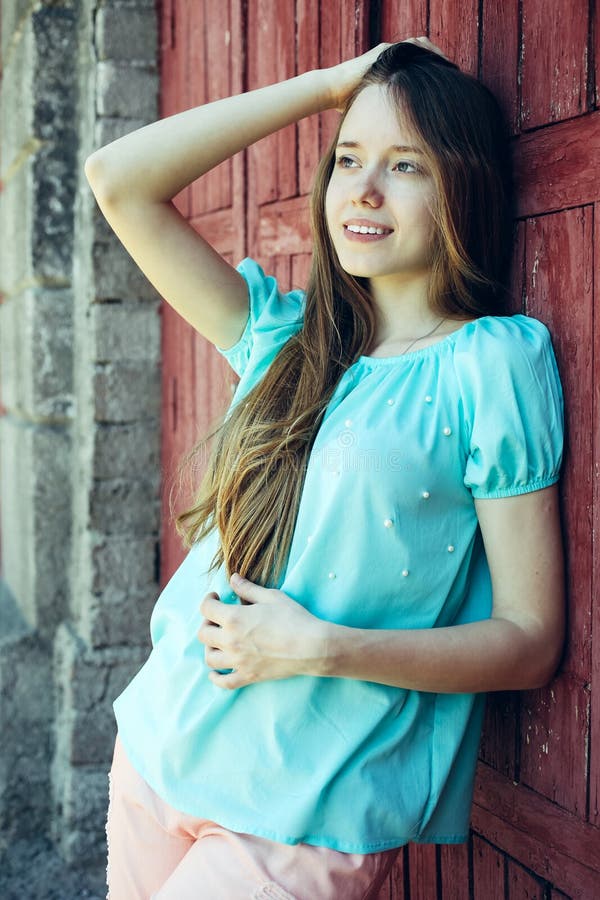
(154, 851)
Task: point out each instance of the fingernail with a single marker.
(235, 578)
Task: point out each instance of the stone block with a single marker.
(54, 30)
(50, 473)
(54, 188)
(123, 332)
(126, 91)
(126, 33)
(49, 348)
(109, 128)
(36, 343)
(124, 567)
(128, 451)
(35, 467)
(119, 620)
(88, 682)
(115, 273)
(127, 392)
(125, 506)
(26, 710)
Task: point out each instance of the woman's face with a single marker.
(374, 184)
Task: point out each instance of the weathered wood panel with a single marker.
(554, 56)
(536, 816)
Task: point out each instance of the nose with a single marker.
(366, 189)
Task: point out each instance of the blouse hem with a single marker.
(314, 840)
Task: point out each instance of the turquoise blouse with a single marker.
(386, 537)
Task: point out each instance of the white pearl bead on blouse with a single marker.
(332, 575)
(390, 402)
(450, 548)
(425, 495)
(388, 523)
(447, 430)
(405, 572)
(428, 398)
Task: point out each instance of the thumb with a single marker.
(245, 589)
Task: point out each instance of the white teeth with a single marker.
(363, 229)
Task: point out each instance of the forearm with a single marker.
(157, 161)
(490, 655)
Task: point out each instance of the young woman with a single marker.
(384, 482)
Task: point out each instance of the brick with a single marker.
(124, 567)
(126, 33)
(115, 273)
(127, 392)
(128, 451)
(126, 91)
(125, 506)
(125, 332)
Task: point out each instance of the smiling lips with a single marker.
(358, 230)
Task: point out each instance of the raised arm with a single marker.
(135, 177)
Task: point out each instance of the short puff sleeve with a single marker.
(273, 317)
(513, 406)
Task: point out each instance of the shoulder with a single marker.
(505, 335)
(495, 347)
(506, 359)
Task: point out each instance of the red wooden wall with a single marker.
(536, 813)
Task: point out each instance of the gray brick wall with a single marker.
(80, 432)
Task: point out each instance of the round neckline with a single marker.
(423, 351)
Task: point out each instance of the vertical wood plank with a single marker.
(488, 871)
(522, 885)
(285, 41)
(307, 50)
(330, 53)
(500, 55)
(398, 880)
(594, 808)
(216, 187)
(454, 871)
(554, 729)
(554, 54)
(401, 19)
(300, 270)
(261, 71)
(559, 292)
(423, 871)
(456, 33)
(500, 736)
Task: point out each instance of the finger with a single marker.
(211, 635)
(248, 590)
(228, 682)
(214, 609)
(216, 659)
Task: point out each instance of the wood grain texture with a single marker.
(536, 813)
(594, 793)
(554, 61)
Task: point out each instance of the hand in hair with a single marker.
(427, 44)
(345, 77)
(270, 636)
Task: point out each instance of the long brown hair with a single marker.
(255, 473)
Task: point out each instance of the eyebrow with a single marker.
(398, 147)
